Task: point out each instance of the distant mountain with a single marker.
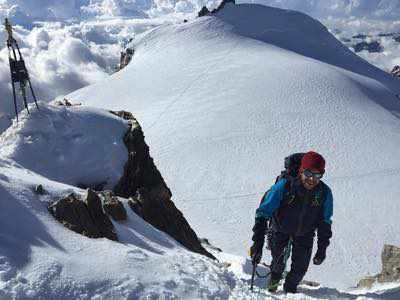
(377, 9)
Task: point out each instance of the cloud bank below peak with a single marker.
(377, 9)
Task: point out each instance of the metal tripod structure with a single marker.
(19, 73)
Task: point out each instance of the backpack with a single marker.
(292, 166)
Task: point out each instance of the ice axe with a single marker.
(19, 73)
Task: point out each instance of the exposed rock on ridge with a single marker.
(395, 71)
(204, 10)
(151, 198)
(390, 268)
(85, 217)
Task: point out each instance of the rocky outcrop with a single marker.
(372, 47)
(395, 71)
(113, 207)
(150, 196)
(126, 57)
(66, 102)
(221, 5)
(84, 216)
(390, 268)
(204, 10)
(206, 243)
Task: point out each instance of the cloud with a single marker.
(57, 61)
(374, 9)
(62, 57)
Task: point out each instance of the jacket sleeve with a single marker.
(272, 200)
(324, 230)
(268, 206)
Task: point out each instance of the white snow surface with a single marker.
(222, 100)
(41, 259)
(85, 131)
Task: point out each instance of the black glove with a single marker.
(319, 257)
(258, 239)
(256, 252)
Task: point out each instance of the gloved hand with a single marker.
(258, 238)
(256, 252)
(319, 257)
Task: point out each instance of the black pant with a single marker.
(301, 255)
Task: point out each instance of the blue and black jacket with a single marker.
(296, 211)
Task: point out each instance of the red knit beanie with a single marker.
(313, 160)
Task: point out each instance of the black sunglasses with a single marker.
(309, 174)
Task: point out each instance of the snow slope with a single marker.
(41, 259)
(222, 100)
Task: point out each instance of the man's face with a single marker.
(310, 178)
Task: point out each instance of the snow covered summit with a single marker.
(223, 99)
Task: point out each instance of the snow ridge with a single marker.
(229, 99)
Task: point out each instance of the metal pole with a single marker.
(33, 94)
(252, 276)
(22, 87)
(15, 99)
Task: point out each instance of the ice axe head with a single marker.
(8, 26)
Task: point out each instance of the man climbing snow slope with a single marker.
(291, 211)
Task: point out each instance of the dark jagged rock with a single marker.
(74, 214)
(390, 264)
(370, 47)
(126, 115)
(113, 207)
(203, 12)
(40, 190)
(390, 268)
(100, 219)
(360, 36)
(386, 34)
(395, 71)
(151, 198)
(126, 57)
(135, 203)
(221, 5)
(208, 245)
(84, 218)
(66, 102)
(97, 186)
(155, 207)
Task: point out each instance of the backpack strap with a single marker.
(319, 197)
(289, 195)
